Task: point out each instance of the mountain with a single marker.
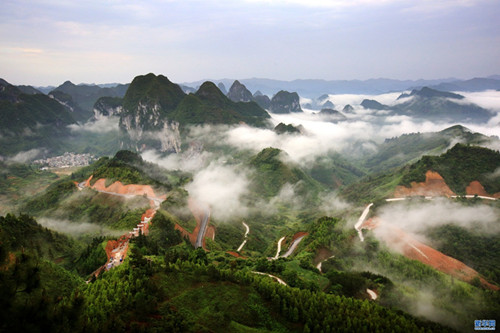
(273, 173)
(154, 110)
(334, 171)
(285, 102)
(222, 88)
(328, 105)
(459, 166)
(85, 96)
(187, 89)
(262, 100)
(152, 101)
(108, 106)
(374, 105)
(282, 128)
(427, 92)
(30, 121)
(472, 85)
(434, 105)
(67, 100)
(348, 109)
(29, 90)
(332, 115)
(239, 93)
(209, 106)
(148, 102)
(312, 88)
(395, 152)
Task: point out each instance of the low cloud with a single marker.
(77, 228)
(331, 203)
(101, 125)
(27, 156)
(189, 161)
(222, 188)
(495, 174)
(417, 218)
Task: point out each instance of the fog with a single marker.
(417, 218)
(222, 188)
(27, 156)
(221, 181)
(101, 125)
(77, 228)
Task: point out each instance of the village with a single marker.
(66, 160)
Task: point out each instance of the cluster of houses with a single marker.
(66, 160)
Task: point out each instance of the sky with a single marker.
(46, 42)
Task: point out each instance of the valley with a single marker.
(206, 210)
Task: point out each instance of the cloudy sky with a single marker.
(46, 42)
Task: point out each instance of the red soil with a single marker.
(370, 223)
(110, 246)
(210, 233)
(404, 243)
(198, 215)
(119, 188)
(475, 188)
(185, 233)
(236, 254)
(434, 185)
(148, 214)
(299, 234)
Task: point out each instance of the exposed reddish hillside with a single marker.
(404, 243)
(236, 254)
(119, 188)
(476, 188)
(299, 234)
(434, 185)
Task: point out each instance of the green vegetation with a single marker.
(285, 102)
(334, 171)
(395, 152)
(282, 128)
(84, 96)
(19, 182)
(459, 166)
(39, 121)
(209, 106)
(373, 187)
(152, 89)
(481, 252)
(272, 174)
(129, 168)
(51, 198)
(24, 232)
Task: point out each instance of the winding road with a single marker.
(292, 247)
(245, 240)
(373, 295)
(271, 276)
(318, 266)
(279, 248)
(361, 219)
(203, 229)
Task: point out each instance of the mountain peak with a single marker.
(427, 92)
(285, 102)
(208, 90)
(239, 93)
(373, 104)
